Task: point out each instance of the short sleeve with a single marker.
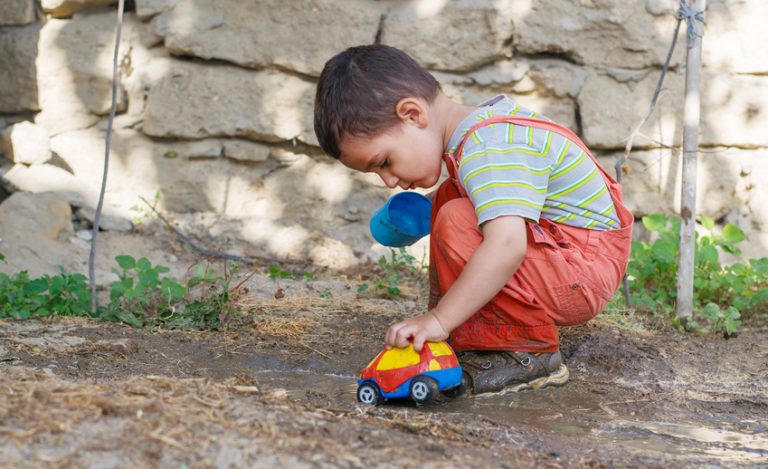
(504, 178)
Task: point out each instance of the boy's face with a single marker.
(408, 155)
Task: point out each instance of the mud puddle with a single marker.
(658, 399)
(573, 412)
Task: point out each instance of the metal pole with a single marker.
(691, 118)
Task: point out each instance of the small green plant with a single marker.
(276, 272)
(308, 276)
(21, 297)
(144, 213)
(327, 293)
(142, 295)
(400, 266)
(723, 294)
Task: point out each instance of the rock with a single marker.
(65, 8)
(26, 143)
(43, 215)
(457, 36)
(193, 101)
(660, 7)
(651, 184)
(18, 74)
(46, 178)
(596, 32)
(75, 99)
(146, 9)
(208, 148)
(722, 95)
(732, 30)
(17, 12)
(123, 346)
(243, 150)
(106, 222)
(265, 33)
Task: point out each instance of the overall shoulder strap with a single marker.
(529, 122)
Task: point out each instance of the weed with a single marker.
(143, 213)
(400, 266)
(66, 294)
(276, 272)
(308, 276)
(722, 293)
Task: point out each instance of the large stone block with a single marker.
(75, 68)
(196, 101)
(732, 34)
(457, 36)
(26, 143)
(299, 36)
(544, 87)
(289, 205)
(17, 12)
(729, 186)
(732, 112)
(18, 74)
(616, 33)
(65, 8)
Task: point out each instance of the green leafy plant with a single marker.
(723, 294)
(400, 266)
(21, 297)
(142, 295)
(276, 272)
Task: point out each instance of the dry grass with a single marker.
(154, 421)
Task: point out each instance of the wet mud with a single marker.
(637, 398)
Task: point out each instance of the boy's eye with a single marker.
(384, 162)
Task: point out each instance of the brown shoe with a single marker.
(504, 372)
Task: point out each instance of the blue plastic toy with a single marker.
(403, 220)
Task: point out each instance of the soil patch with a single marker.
(280, 391)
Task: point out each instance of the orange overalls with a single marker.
(568, 274)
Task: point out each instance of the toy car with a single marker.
(402, 372)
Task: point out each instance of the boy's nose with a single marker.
(390, 180)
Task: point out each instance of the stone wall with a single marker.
(215, 104)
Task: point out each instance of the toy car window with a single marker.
(398, 358)
(439, 349)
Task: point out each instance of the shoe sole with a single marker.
(558, 378)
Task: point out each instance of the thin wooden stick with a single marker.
(107, 144)
(691, 119)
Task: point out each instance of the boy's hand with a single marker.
(424, 327)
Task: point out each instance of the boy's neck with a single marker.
(449, 114)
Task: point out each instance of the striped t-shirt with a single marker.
(510, 169)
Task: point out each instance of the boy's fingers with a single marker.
(418, 342)
(402, 335)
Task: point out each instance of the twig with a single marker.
(314, 350)
(652, 106)
(199, 250)
(107, 144)
(631, 139)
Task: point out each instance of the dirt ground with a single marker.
(279, 392)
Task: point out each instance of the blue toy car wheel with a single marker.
(423, 389)
(369, 393)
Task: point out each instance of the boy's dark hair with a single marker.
(359, 89)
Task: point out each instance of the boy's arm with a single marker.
(489, 268)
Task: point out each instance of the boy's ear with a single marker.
(412, 111)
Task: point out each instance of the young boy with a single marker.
(528, 232)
